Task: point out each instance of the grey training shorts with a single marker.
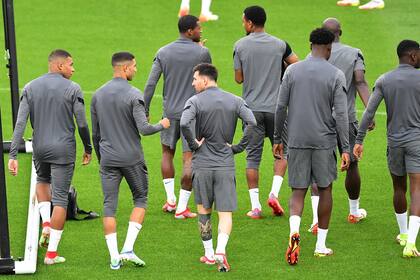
(218, 186)
(264, 128)
(137, 179)
(307, 166)
(59, 176)
(403, 160)
(170, 136)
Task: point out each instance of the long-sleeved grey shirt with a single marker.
(176, 62)
(311, 90)
(400, 89)
(216, 113)
(260, 56)
(52, 101)
(118, 116)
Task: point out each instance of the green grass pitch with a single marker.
(93, 30)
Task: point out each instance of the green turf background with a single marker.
(93, 30)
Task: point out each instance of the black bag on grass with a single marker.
(74, 212)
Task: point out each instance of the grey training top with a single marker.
(310, 91)
(400, 89)
(260, 56)
(176, 61)
(348, 60)
(216, 113)
(118, 117)
(52, 101)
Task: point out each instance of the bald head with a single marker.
(333, 25)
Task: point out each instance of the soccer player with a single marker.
(52, 101)
(400, 88)
(215, 114)
(349, 60)
(371, 5)
(176, 62)
(118, 116)
(316, 88)
(206, 14)
(259, 60)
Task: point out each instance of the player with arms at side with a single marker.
(176, 61)
(259, 60)
(400, 88)
(317, 88)
(52, 102)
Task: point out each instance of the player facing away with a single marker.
(52, 101)
(259, 61)
(215, 114)
(371, 5)
(349, 60)
(205, 15)
(400, 88)
(118, 119)
(317, 88)
(176, 62)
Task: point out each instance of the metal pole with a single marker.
(11, 56)
(4, 227)
(7, 264)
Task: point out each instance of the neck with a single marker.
(318, 54)
(54, 71)
(258, 29)
(211, 84)
(403, 60)
(184, 36)
(118, 74)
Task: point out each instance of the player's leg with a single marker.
(43, 195)
(206, 14)
(324, 168)
(224, 230)
(138, 181)
(111, 178)
(324, 215)
(412, 162)
(352, 181)
(314, 203)
(279, 168)
(396, 165)
(182, 211)
(205, 228)
(202, 181)
(61, 176)
(184, 9)
(296, 204)
(299, 161)
(225, 203)
(168, 138)
(410, 249)
(400, 207)
(254, 153)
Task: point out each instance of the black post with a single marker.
(11, 56)
(6, 263)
